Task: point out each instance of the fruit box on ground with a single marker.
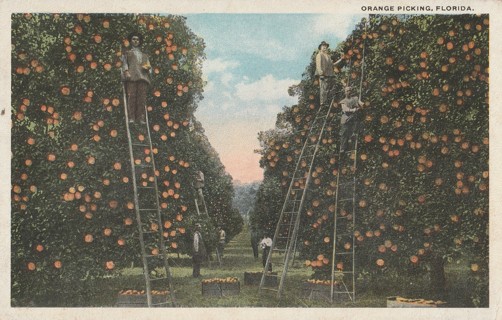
(218, 288)
(254, 278)
(400, 302)
(138, 299)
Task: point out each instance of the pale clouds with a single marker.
(226, 78)
(267, 88)
(334, 25)
(209, 87)
(218, 65)
(269, 48)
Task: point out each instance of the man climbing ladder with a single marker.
(146, 194)
(350, 120)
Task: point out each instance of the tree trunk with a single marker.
(438, 277)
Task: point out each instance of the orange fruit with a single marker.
(88, 238)
(109, 265)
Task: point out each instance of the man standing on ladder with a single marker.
(135, 70)
(351, 104)
(324, 69)
(199, 184)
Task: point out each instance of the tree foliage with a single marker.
(422, 191)
(72, 198)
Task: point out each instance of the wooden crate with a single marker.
(140, 301)
(393, 302)
(221, 289)
(254, 278)
(230, 289)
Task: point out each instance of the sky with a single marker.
(252, 60)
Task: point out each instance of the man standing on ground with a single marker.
(349, 121)
(221, 240)
(266, 244)
(199, 251)
(255, 239)
(136, 75)
(324, 69)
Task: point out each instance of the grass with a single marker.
(239, 259)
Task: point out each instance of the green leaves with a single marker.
(72, 184)
(427, 123)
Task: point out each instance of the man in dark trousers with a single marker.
(255, 240)
(199, 251)
(349, 121)
(266, 244)
(136, 75)
(324, 69)
(221, 240)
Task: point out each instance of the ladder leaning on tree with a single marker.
(148, 215)
(344, 225)
(286, 231)
(199, 195)
(343, 261)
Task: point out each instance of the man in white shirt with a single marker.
(221, 240)
(266, 244)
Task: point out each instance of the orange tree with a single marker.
(422, 192)
(72, 201)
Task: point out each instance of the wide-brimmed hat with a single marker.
(323, 43)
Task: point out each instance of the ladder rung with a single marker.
(345, 183)
(342, 253)
(157, 279)
(159, 255)
(346, 292)
(140, 144)
(280, 250)
(149, 209)
(146, 187)
(143, 165)
(269, 289)
(161, 303)
(344, 234)
(342, 217)
(346, 199)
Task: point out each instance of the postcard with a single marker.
(233, 159)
